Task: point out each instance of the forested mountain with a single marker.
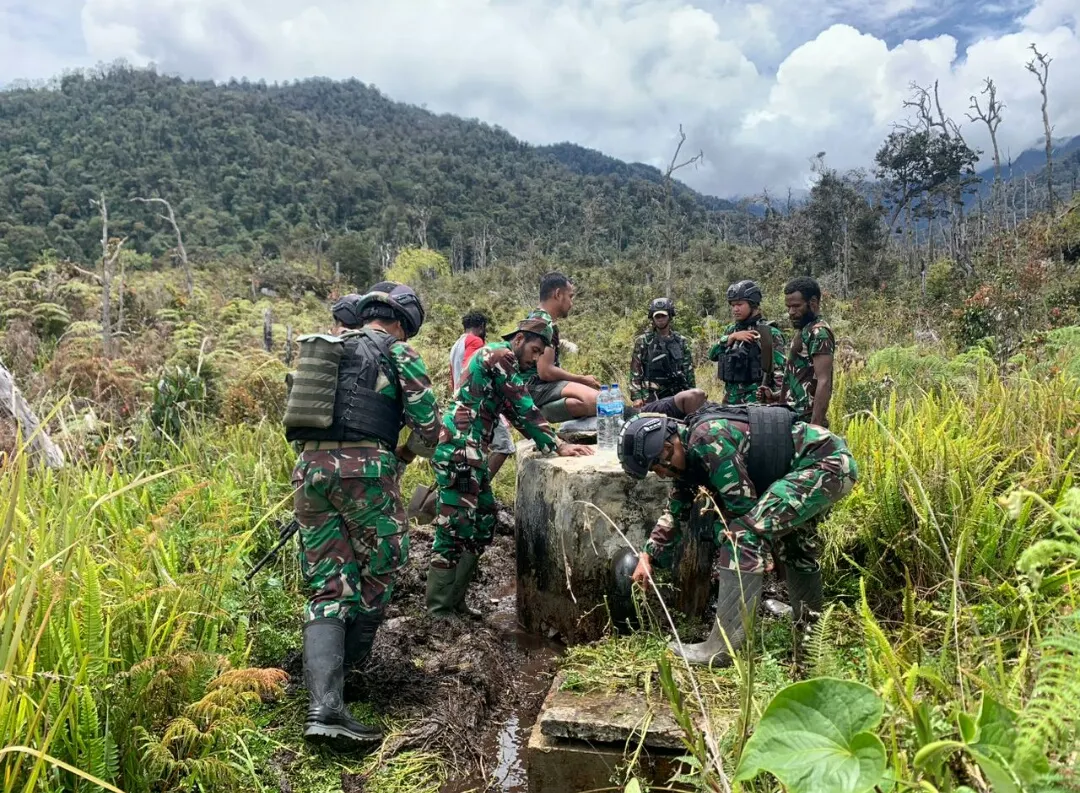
(254, 168)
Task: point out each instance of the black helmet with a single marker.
(391, 300)
(641, 442)
(744, 290)
(665, 304)
(346, 311)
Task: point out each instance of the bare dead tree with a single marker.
(170, 217)
(991, 116)
(33, 433)
(1040, 67)
(110, 252)
(669, 200)
(421, 216)
(268, 330)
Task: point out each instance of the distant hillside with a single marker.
(252, 168)
(1032, 163)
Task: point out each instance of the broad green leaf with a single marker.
(815, 736)
(997, 729)
(633, 786)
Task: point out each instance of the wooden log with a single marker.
(12, 401)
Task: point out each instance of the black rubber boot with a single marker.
(441, 582)
(466, 569)
(328, 720)
(359, 638)
(805, 594)
(739, 593)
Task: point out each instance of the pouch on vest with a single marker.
(772, 448)
(310, 402)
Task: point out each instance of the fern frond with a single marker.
(1051, 717)
(268, 683)
(821, 648)
(93, 619)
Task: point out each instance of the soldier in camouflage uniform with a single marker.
(808, 372)
(491, 385)
(662, 364)
(353, 530)
(712, 450)
(746, 362)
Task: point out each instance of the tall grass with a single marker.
(121, 608)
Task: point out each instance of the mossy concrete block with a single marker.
(565, 545)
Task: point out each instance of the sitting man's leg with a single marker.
(562, 400)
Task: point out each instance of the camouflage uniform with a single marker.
(815, 339)
(747, 393)
(353, 531)
(822, 472)
(491, 385)
(658, 388)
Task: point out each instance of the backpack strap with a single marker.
(765, 339)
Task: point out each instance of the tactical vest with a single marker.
(771, 446)
(663, 362)
(359, 412)
(745, 362)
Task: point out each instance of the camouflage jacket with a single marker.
(650, 374)
(490, 385)
(531, 374)
(715, 460)
(815, 339)
(746, 393)
(421, 415)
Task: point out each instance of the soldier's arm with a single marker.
(779, 356)
(717, 349)
(821, 349)
(417, 395)
(637, 371)
(523, 411)
(688, 364)
(668, 529)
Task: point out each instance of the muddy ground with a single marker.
(466, 689)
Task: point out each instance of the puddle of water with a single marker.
(534, 673)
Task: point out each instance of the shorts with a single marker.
(501, 441)
(543, 392)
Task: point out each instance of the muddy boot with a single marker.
(739, 592)
(328, 720)
(466, 569)
(807, 600)
(441, 591)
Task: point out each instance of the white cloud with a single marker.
(760, 86)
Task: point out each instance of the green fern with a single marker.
(93, 621)
(821, 646)
(1051, 718)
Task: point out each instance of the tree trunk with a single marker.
(11, 401)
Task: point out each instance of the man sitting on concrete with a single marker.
(560, 395)
(769, 476)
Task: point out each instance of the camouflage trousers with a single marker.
(353, 533)
(785, 517)
(464, 513)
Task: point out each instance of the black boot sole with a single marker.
(338, 737)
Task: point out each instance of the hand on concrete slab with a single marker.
(575, 450)
(643, 571)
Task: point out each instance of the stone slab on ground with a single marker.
(564, 547)
(608, 718)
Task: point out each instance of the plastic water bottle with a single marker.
(609, 410)
(606, 433)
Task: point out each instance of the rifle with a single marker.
(286, 534)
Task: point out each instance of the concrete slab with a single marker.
(609, 718)
(565, 548)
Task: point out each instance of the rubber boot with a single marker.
(738, 592)
(466, 569)
(328, 720)
(359, 638)
(805, 593)
(441, 585)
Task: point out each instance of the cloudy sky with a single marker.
(760, 87)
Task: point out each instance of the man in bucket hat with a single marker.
(491, 385)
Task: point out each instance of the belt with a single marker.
(322, 446)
